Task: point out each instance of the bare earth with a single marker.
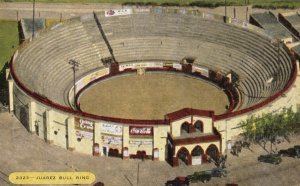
(151, 96)
(21, 151)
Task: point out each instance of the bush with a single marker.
(139, 4)
(151, 4)
(134, 3)
(274, 6)
(170, 4)
(207, 4)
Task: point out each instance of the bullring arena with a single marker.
(156, 83)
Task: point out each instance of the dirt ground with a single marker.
(22, 151)
(151, 96)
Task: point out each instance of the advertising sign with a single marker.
(111, 128)
(84, 125)
(84, 128)
(110, 13)
(112, 140)
(177, 66)
(141, 65)
(140, 142)
(142, 10)
(84, 134)
(203, 71)
(141, 130)
(91, 77)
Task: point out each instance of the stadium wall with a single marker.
(59, 127)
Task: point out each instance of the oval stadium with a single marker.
(167, 84)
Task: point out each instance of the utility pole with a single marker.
(75, 66)
(138, 174)
(33, 15)
(225, 10)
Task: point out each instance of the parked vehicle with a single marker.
(297, 150)
(178, 181)
(291, 152)
(218, 172)
(270, 158)
(232, 184)
(202, 176)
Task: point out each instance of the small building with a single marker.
(192, 137)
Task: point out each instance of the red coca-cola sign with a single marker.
(141, 130)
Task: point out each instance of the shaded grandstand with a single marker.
(269, 22)
(291, 21)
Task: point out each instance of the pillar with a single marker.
(125, 140)
(97, 136)
(32, 116)
(49, 131)
(11, 94)
(160, 135)
(7, 72)
(71, 134)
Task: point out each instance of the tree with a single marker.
(270, 127)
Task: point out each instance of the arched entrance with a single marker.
(141, 154)
(113, 152)
(199, 126)
(197, 155)
(212, 152)
(184, 128)
(183, 156)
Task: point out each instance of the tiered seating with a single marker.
(96, 38)
(43, 65)
(153, 37)
(214, 44)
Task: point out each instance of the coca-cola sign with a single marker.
(141, 130)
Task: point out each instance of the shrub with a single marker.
(170, 4)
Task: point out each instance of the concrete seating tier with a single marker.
(153, 37)
(43, 65)
(215, 45)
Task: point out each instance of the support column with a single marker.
(71, 134)
(125, 142)
(11, 95)
(160, 138)
(32, 116)
(97, 138)
(7, 72)
(49, 131)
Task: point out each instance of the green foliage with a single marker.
(275, 6)
(8, 44)
(271, 126)
(267, 4)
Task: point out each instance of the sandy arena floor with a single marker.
(151, 96)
